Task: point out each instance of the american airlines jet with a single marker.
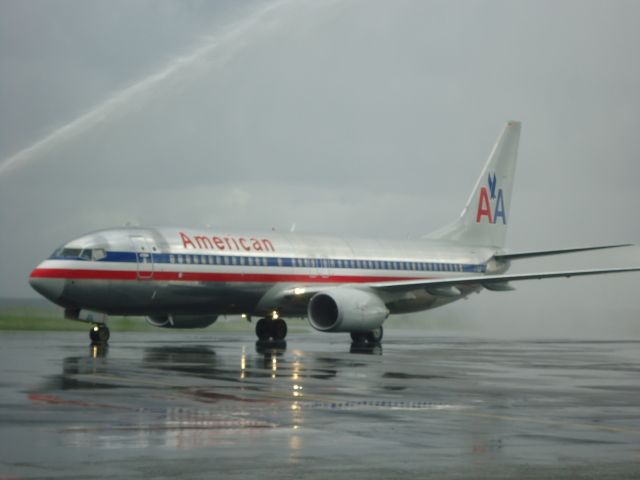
(187, 278)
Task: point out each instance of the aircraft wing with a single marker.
(545, 253)
(491, 282)
(295, 298)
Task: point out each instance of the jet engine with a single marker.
(344, 309)
(182, 321)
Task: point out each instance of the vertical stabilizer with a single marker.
(485, 218)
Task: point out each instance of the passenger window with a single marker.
(172, 259)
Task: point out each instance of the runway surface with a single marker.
(203, 405)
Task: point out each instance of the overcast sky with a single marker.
(348, 116)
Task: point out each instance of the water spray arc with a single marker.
(138, 90)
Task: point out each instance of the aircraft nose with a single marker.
(50, 288)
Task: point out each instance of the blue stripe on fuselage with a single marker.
(291, 262)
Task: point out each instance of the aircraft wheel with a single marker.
(99, 334)
(358, 337)
(278, 329)
(263, 329)
(375, 336)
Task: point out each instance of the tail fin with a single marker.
(484, 220)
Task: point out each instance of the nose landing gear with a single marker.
(268, 329)
(99, 333)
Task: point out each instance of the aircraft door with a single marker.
(144, 257)
(322, 264)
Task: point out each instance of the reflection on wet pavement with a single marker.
(446, 406)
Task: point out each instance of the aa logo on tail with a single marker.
(491, 202)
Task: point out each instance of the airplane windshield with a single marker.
(80, 253)
(67, 252)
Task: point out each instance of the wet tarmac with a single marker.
(206, 405)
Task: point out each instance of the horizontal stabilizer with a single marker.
(544, 253)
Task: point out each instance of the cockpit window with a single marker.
(80, 253)
(67, 252)
(98, 254)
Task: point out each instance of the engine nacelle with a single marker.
(182, 321)
(343, 309)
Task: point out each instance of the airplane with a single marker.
(187, 278)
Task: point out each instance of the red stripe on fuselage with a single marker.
(73, 274)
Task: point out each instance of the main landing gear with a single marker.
(99, 333)
(373, 337)
(367, 342)
(271, 330)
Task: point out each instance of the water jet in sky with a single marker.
(123, 98)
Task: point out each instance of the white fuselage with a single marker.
(148, 271)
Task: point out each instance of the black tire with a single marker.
(104, 334)
(99, 334)
(278, 329)
(263, 329)
(358, 337)
(93, 334)
(375, 336)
